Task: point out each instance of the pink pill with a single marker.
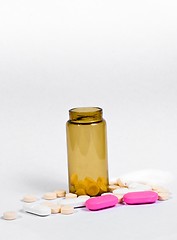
(105, 201)
(140, 197)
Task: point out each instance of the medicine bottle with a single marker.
(87, 151)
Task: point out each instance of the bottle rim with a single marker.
(85, 114)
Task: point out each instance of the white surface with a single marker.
(55, 55)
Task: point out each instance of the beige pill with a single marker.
(163, 196)
(29, 198)
(60, 193)
(160, 189)
(67, 210)
(10, 215)
(70, 195)
(113, 182)
(120, 183)
(55, 208)
(112, 187)
(50, 195)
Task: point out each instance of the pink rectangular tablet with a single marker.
(143, 197)
(105, 201)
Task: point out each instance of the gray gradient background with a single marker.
(55, 55)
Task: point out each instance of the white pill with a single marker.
(50, 195)
(67, 210)
(9, 215)
(107, 193)
(37, 209)
(60, 193)
(70, 195)
(74, 202)
(85, 197)
(139, 187)
(29, 198)
(47, 203)
(149, 176)
(121, 191)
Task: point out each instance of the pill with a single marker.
(80, 185)
(70, 195)
(72, 189)
(47, 203)
(113, 181)
(74, 179)
(160, 189)
(140, 197)
(88, 180)
(80, 192)
(50, 195)
(60, 193)
(107, 193)
(55, 208)
(11, 215)
(139, 187)
(101, 182)
(163, 196)
(66, 210)
(113, 187)
(29, 198)
(84, 196)
(120, 183)
(92, 189)
(120, 197)
(74, 202)
(37, 209)
(101, 202)
(121, 191)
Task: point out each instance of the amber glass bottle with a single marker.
(87, 151)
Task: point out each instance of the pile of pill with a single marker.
(88, 185)
(119, 188)
(117, 192)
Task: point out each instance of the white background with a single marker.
(55, 55)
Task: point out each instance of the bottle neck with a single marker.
(85, 115)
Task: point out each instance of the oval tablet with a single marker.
(105, 201)
(143, 197)
(37, 210)
(74, 202)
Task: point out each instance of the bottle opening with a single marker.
(85, 114)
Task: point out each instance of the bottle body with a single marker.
(87, 152)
